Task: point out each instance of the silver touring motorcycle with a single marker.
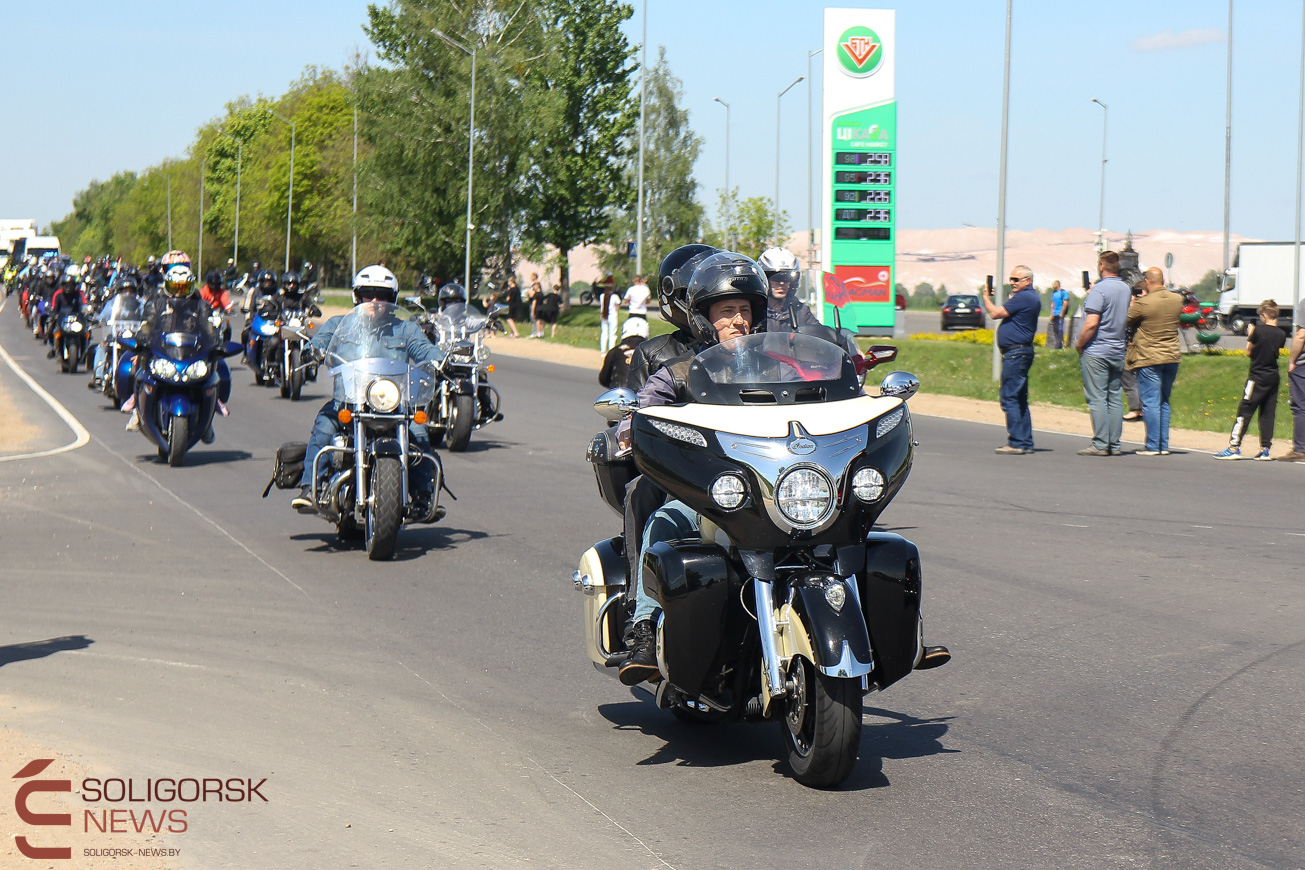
(786, 605)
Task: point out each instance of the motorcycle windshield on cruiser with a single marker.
(122, 316)
(379, 394)
(781, 602)
(178, 389)
(464, 400)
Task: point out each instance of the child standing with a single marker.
(1261, 392)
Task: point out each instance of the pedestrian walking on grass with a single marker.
(1296, 387)
(1100, 346)
(1154, 354)
(1019, 323)
(1261, 391)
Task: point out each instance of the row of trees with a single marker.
(555, 165)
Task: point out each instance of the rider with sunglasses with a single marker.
(375, 290)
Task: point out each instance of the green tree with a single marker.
(672, 213)
(1207, 289)
(753, 225)
(578, 172)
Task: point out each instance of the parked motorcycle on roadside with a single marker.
(464, 399)
(785, 604)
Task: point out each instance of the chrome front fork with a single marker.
(764, 592)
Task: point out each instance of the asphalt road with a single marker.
(1129, 641)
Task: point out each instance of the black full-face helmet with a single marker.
(719, 276)
(266, 282)
(673, 279)
(450, 293)
(290, 283)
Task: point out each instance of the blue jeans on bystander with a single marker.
(1015, 365)
(1154, 385)
(1102, 382)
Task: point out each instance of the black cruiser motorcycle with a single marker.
(786, 605)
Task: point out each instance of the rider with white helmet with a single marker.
(375, 290)
(784, 274)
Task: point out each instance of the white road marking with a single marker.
(1075, 526)
(82, 436)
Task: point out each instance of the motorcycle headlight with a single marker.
(383, 395)
(805, 497)
(868, 484)
(482, 353)
(728, 491)
(196, 370)
(267, 329)
(163, 368)
(75, 326)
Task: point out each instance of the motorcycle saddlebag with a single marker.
(289, 467)
(613, 474)
(692, 583)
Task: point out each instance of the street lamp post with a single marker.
(169, 180)
(353, 246)
(777, 104)
(199, 259)
(643, 91)
(1001, 195)
(1101, 210)
(235, 245)
(811, 225)
(471, 150)
(729, 208)
(290, 203)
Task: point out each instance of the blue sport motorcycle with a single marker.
(179, 378)
(263, 332)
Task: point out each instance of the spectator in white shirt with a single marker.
(636, 300)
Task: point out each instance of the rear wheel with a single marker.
(464, 411)
(822, 730)
(385, 513)
(295, 376)
(178, 435)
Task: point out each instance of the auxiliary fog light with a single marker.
(868, 484)
(728, 491)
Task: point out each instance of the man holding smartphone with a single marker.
(1019, 323)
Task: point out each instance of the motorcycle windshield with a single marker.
(460, 320)
(772, 368)
(123, 310)
(369, 345)
(182, 333)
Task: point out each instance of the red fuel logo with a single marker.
(31, 818)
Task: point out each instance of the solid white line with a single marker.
(83, 437)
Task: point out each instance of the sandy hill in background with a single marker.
(961, 258)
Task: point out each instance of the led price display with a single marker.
(876, 196)
(846, 177)
(863, 234)
(863, 158)
(865, 215)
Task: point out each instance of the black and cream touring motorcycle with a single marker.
(787, 604)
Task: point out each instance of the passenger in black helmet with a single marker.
(672, 282)
(724, 298)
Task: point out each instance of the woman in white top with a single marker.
(636, 299)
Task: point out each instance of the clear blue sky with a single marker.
(122, 86)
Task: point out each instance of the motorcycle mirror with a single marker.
(127, 341)
(497, 310)
(901, 385)
(615, 405)
(880, 353)
(232, 348)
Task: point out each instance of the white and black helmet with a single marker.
(724, 275)
(375, 282)
(781, 263)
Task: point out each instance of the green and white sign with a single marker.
(860, 170)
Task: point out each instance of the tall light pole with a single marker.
(199, 258)
(777, 104)
(1101, 209)
(1300, 145)
(1001, 195)
(353, 246)
(240, 147)
(1227, 150)
(290, 203)
(471, 150)
(811, 226)
(729, 207)
(169, 180)
(643, 92)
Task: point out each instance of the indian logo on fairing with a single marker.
(860, 51)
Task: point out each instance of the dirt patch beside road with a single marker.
(16, 434)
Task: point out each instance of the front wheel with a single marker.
(385, 513)
(822, 730)
(296, 375)
(178, 435)
(464, 413)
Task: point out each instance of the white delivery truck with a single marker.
(1261, 270)
(13, 230)
(36, 246)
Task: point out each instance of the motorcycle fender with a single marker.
(835, 641)
(177, 405)
(601, 577)
(887, 568)
(691, 581)
(386, 447)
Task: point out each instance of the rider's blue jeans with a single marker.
(327, 426)
(672, 521)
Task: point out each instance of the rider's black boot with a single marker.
(642, 662)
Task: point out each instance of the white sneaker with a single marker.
(133, 422)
